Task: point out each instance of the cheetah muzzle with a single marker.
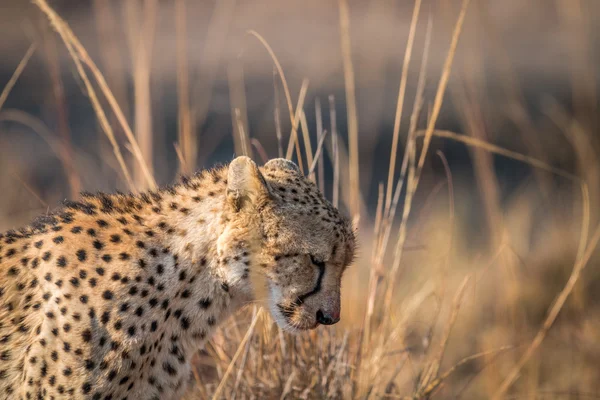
(109, 296)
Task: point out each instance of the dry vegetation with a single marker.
(428, 311)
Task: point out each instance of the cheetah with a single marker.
(109, 296)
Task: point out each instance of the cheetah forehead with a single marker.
(301, 219)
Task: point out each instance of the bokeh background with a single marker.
(485, 279)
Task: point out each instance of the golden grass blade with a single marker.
(349, 84)
(29, 189)
(318, 153)
(319, 157)
(336, 363)
(63, 31)
(180, 156)
(335, 151)
(441, 90)
(239, 107)
(238, 377)
(296, 120)
(414, 180)
(187, 139)
(432, 371)
(575, 134)
(286, 89)
(140, 33)
(288, 386)
(378, 214)
(470, 141)
(79, 55)
(410, 144)
(241, 132)
(277, 115)
(260, 150)
(307, 144)
(282, 344)
(16, 74)
(400, 104)
(237, 354)
(451, 206)
(374, 273)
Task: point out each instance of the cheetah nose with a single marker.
(327, 319)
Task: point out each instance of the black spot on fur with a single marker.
(61, 261)
(81, 255)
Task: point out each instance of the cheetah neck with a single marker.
(214, 242)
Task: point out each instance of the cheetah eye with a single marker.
(316, 262)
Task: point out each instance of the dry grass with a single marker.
(425, 309)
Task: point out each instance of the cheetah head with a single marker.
(303, 243)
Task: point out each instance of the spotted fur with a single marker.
(108, 297)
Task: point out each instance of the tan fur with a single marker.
(108, 297)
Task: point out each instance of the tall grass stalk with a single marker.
(400, 105)
(16, 74)
(413, 183)
(187, 138)
(141, 27)
(79, 55)
(352, 114)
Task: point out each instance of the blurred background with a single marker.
(457, 272)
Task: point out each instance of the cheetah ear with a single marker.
(245, 183)
(282, 163)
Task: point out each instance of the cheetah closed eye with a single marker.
(108, 297)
